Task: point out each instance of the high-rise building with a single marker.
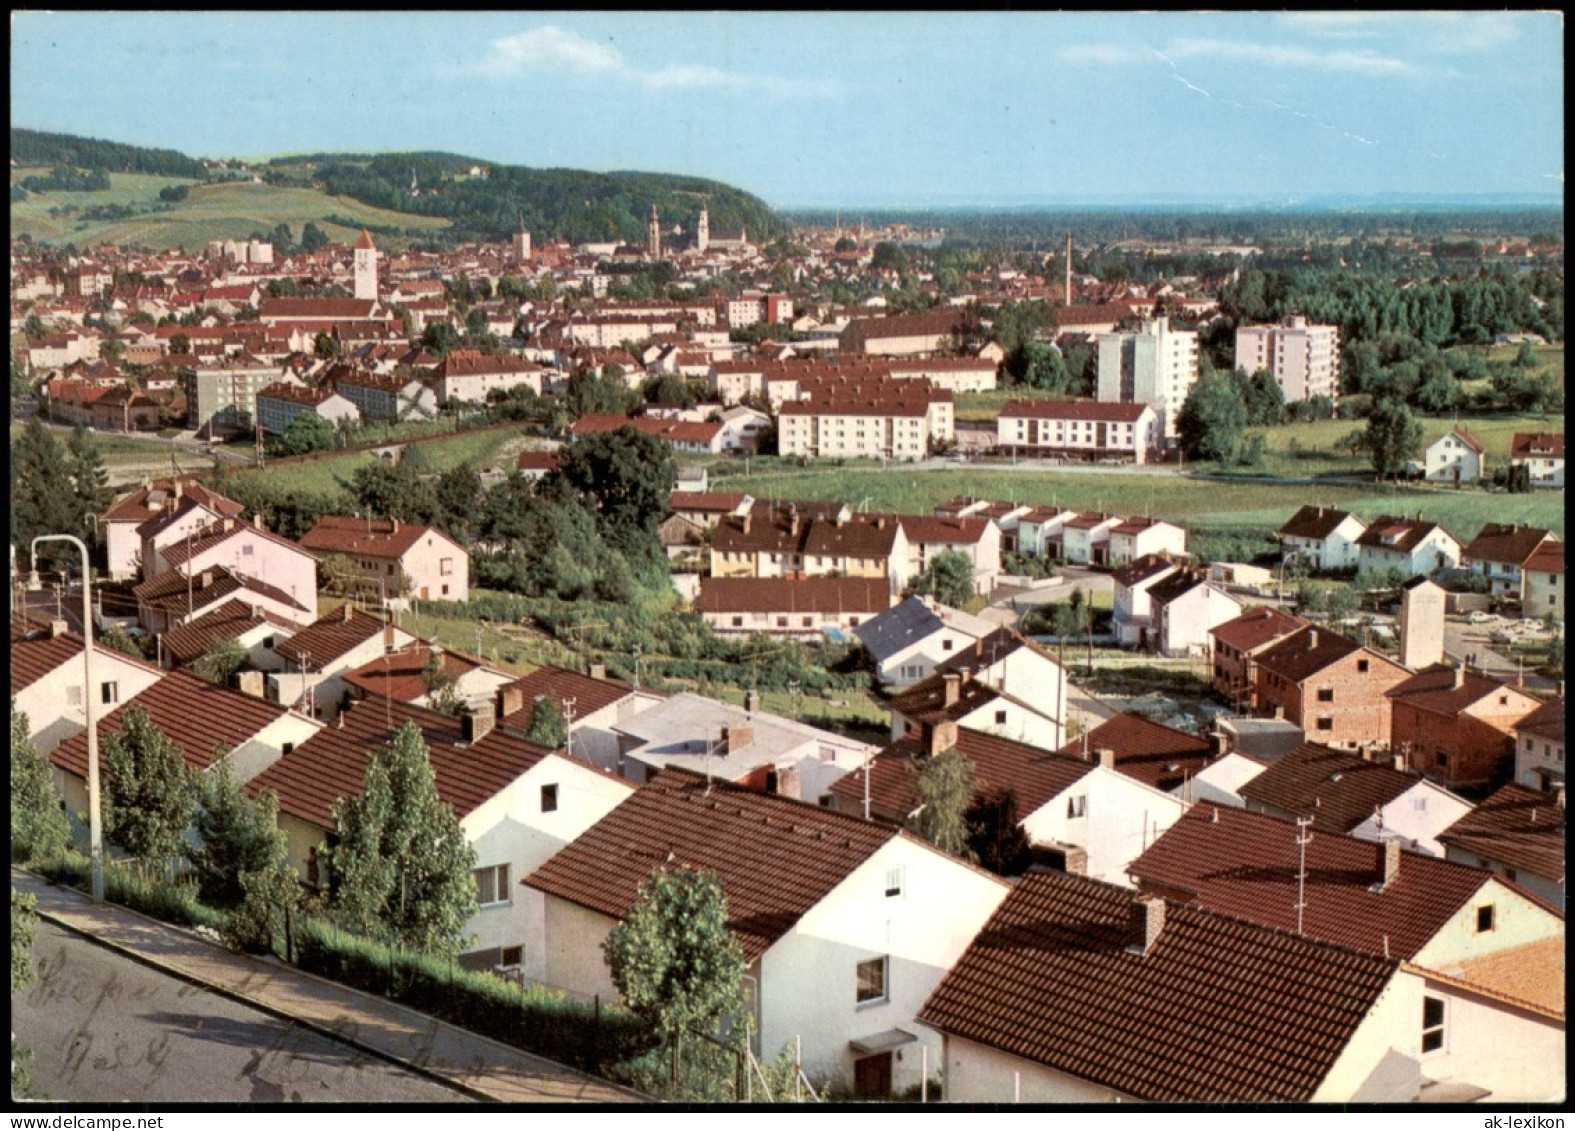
(521, 246)
(1304, 359)
(365, 267)
(703, 230)
(1154, 366)
(653, 234)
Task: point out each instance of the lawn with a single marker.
(329, 474)
(231, 210)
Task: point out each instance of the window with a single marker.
(1484, 918)
(946, 645)
(492, 884)
(390, 569)
(872, 981)
(248, 550)
(1077, 806)
(1432, 1024)
(782, 622)
(289, 748)
(511, 956)
(809, 622)
(445, 590)
(445, 566)
(1326, 695)
(1325, 723)
(549, 798)
(74, 696)
(893, 882)
(1000, 718)
(738, 622)
(1441, 758)
(110, 691)
(1361, 665)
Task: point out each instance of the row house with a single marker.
(1127, 433)
(279, 404)
(1412, 545)
(392, 558)
(311, 664)
(708, 508)
(1032, 686)
(680, 435)
(1138, 537)
(469, 375)
(954, 374)
(175, 598)
(1084, 539)
(1539, 748)
(251, 625)
(391, 397)
(1323, 538)
(798, 608)
(977, 539)
(46, 681)
(591, 704)
(1542, 453)
(810, 540)
(110, 408)
(321, 312)
(1542, 582)
(1457, 726)
(411, 674)
(1517, 833)
(1501, 552)
(1039, 529)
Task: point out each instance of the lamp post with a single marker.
(95, 821)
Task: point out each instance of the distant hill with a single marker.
(569, 204)
(31, 147)
(431, 197)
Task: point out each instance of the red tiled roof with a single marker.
(1517, 826)
(398, 675)
(1337, 789)
(709, 502)
(1526, 445)
(1547, 559)
(1246, 864)
(189, 641)
(364, 243)
(776, 857)
(1146, 751)
(197, 716)
(794, 595)
(332, 763)
(178, 553)
(1434, 689)
(1469, 440)
(1306, 652)
(1035, 775)
(1257, 627)
(329, 637)
(536, 461)
(1075, 410)
(950, 531)
(1314, 522)
(1218, 1010)
(1547, 721)
(35, 655)
(1508, 543)
(168, 593)
(1396, 532)
(368, 537)
(548, 681)
(676, 431)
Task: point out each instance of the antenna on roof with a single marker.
(1303, 839)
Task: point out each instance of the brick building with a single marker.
(1330, 686)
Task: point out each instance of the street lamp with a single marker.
(95, 821)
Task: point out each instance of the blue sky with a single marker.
(831, 109)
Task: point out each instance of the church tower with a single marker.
(653, 235)
(365, 266)
(703, 230)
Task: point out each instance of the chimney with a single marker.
(58, 628)
(1312, 640)
(250, 683)
(180, 488)
(751, 700)
(1460, 675)
(1106, 757)
(747, 517)
(388, 637)
(477, 722)
(1076, 861)
(1219, 744)
(978, 647)
(511, 699)
(229, 525)
(345, 608)
(393, 526)
(598, 671)
(1279, 712)
(1146, 921)
(257, 520)
(952, 684)
(1400, 762)
(1391, 862)
(736, 738)
(205, 579)
(939, 737)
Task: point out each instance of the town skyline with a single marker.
(1285, 108)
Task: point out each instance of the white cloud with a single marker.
(1441, 32)
(553, 50)
(1241, 51)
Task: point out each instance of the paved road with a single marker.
(1462, 639)
(103, 1028)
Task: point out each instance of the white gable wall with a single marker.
(1120, 818)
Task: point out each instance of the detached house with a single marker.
(910, 639)
(1539, 748)
(1186, 606)
(1330, 686)
(123, 543)
(46, 681)
(1414, 546)
(1542, 582)
(868, 917)
(393, 558)
(1323, 538)
(1455, 457)
(1457, 726)
(1543, 453)
(1502, 552)
(977, 539)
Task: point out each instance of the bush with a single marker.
(171, 902)
(529, 1018)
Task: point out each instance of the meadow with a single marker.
(229, 210)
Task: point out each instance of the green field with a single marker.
(1181, 498)
(231, 210)
(324, 476)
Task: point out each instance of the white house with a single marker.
(1455, 457)
(313, 662)
(1539, 748)
(517, 803)
(1542, 453)
(1322, 538)
(908, 640)
(1136, 537)
(1085, 539)
(957, 697)
(977, 539)
(1041, 527)
(1132, 611)
(868, 917)
(1518, 833)
(1185, 607)
(1414, 546)
(123, 543)
(46, 682)
(591, 706)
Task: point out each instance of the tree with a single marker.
(945, 788)
(546, 724)
(306, 432)
(1392, 438)
(624, 478)
(236, 835)
(325, 345)
(888, 257)
(148, 792)
(38, 504)
(402, 867)
(1343, 601)
(38, 822)
(180, 344)
(1041, 366)
(121, 641)
(441, 682)
(995, 835)
(313, 238)
(673, 958)
(458, 494)
(220, 660)
(1213, 419)
(948, 578)
(589, 391)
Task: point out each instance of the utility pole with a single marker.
(637, 667)
(1303, 839)
(567, 703)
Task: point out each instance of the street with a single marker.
(102, 1027)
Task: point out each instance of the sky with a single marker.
(823, 109)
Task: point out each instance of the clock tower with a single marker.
(653, 235)
(365, 267)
